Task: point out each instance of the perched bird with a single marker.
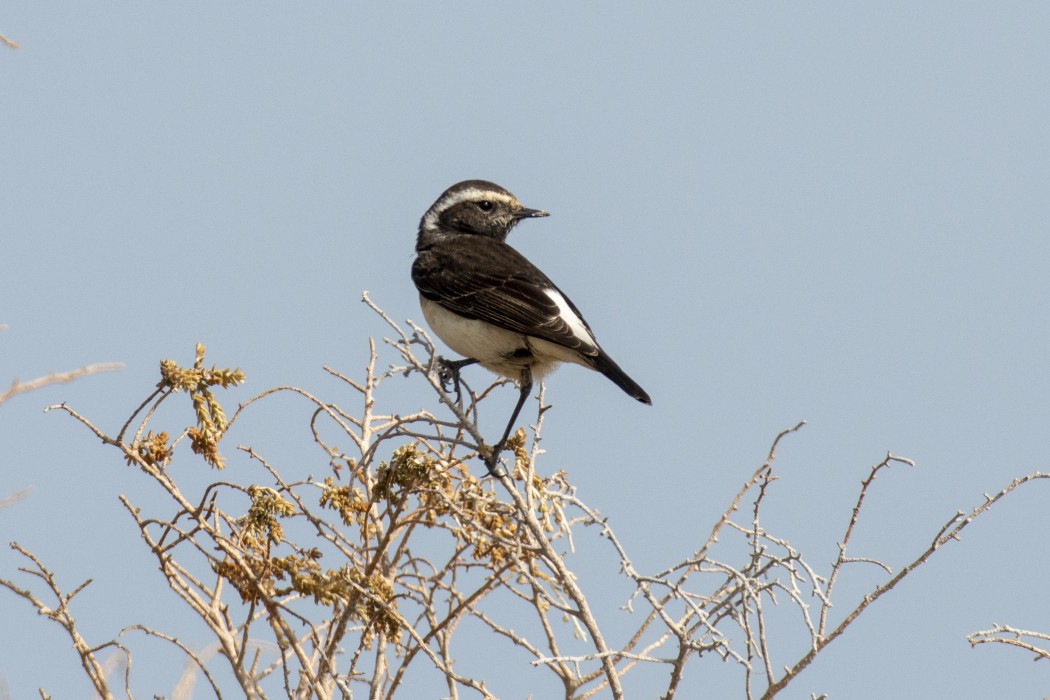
(487, 302)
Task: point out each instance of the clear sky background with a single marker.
(767, 212)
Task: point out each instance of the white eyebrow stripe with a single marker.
(475, 194)
(431, 219)
(478, 194)
(571, 318)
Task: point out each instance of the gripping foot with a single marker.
(448, 375)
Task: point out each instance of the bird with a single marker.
(490, 304)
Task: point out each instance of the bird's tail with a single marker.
(604, 364)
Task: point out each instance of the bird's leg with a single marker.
(448, 374)
(526, 389)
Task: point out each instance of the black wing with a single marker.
(484, 279)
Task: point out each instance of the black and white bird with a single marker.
(487, 302)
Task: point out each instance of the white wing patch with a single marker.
(571, 319)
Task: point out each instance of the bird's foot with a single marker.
(448, 375)
(493, 459)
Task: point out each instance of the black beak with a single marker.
(530, 213)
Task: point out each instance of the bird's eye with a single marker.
(485, 205)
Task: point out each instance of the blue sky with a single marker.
(767, 212)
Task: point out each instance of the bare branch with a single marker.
(18, 387)
(359, 578)
(1004, 634)
(8, 501)
(61, 614)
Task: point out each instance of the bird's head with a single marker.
(474, 207)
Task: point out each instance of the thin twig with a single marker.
(18, 387)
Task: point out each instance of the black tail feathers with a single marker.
(604, 364)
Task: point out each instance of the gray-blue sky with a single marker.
(766, 212)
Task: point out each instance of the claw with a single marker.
(492, 460)
(448, 375)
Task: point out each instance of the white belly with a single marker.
(501, 351)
